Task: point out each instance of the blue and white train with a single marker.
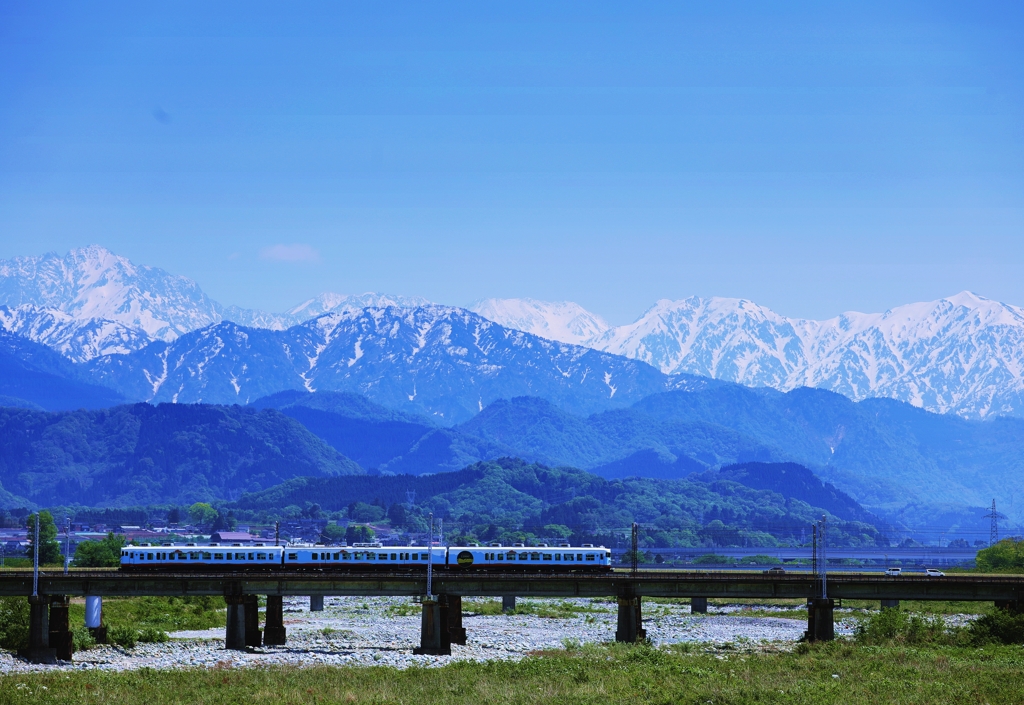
(178, 558)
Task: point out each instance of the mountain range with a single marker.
(963, 354)
(914, 467)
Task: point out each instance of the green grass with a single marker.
(832, 673)
(157, 613)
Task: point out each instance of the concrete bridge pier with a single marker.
(434, 637)
(234, 637)
(251, 605)
(94, 618)
(698, 605)
(456, 632)
(820, 622)
(274, 633)
(61, 640)
(630, 624)
(316, 603)
(890, 604)
(39, 650)
(508, 603)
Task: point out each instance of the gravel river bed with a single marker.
(383, 631)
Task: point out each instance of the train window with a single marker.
(219, 556)
(239, 556)
(383, 557)
(149, 556)
(193, 556)
(522, 556)
(207, 556)
(261, 556)
(558, 556)
(227, 557)
(534, 556)
(394, 556)
(501, 556)
(547, 556)
(579, 556)
(293, 556)
(252, 556)
(590, 556)
(345, 556)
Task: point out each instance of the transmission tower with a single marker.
(993, 531)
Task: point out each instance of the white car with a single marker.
(933, 573)
(893, 572)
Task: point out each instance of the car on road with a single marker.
(893, 572)
(933, 573)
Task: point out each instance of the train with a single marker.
(363, 557)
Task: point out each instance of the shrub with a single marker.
(896, 626)
(153, 636)
(998, 627)
(83, 639)
(14, 620)
(125, 637)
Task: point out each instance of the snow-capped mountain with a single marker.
(963, 354)
(564, 321)
(75, 339)
(92, 282)
(440, 360)
(92, 302)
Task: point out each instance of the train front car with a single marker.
(362, 557)
(189, 557)
(573, 559)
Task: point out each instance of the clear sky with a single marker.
(814, 157)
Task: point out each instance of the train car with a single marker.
(198, 558)
(586, 558)
(363, 557)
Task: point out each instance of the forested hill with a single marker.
(490, 499)
(141, 454)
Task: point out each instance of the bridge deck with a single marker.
(737, 585)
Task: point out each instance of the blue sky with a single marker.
(813, 159)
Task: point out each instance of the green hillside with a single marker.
(141, 454)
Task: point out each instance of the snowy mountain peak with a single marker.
(92, 282)
(563, 321)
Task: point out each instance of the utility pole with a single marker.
(993, 530)
(277, 533)
(824, 561)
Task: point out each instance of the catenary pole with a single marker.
(35, 560)
(430, 555)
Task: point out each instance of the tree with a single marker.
(100, 554)
(332, 534)
(359, 534)
(1008, 553)
(49, 547)
(202, 514)
(174, 515)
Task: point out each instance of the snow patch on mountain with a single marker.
(77, 340)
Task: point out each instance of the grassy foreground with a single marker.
(832, 673)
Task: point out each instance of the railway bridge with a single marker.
(442, 610)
